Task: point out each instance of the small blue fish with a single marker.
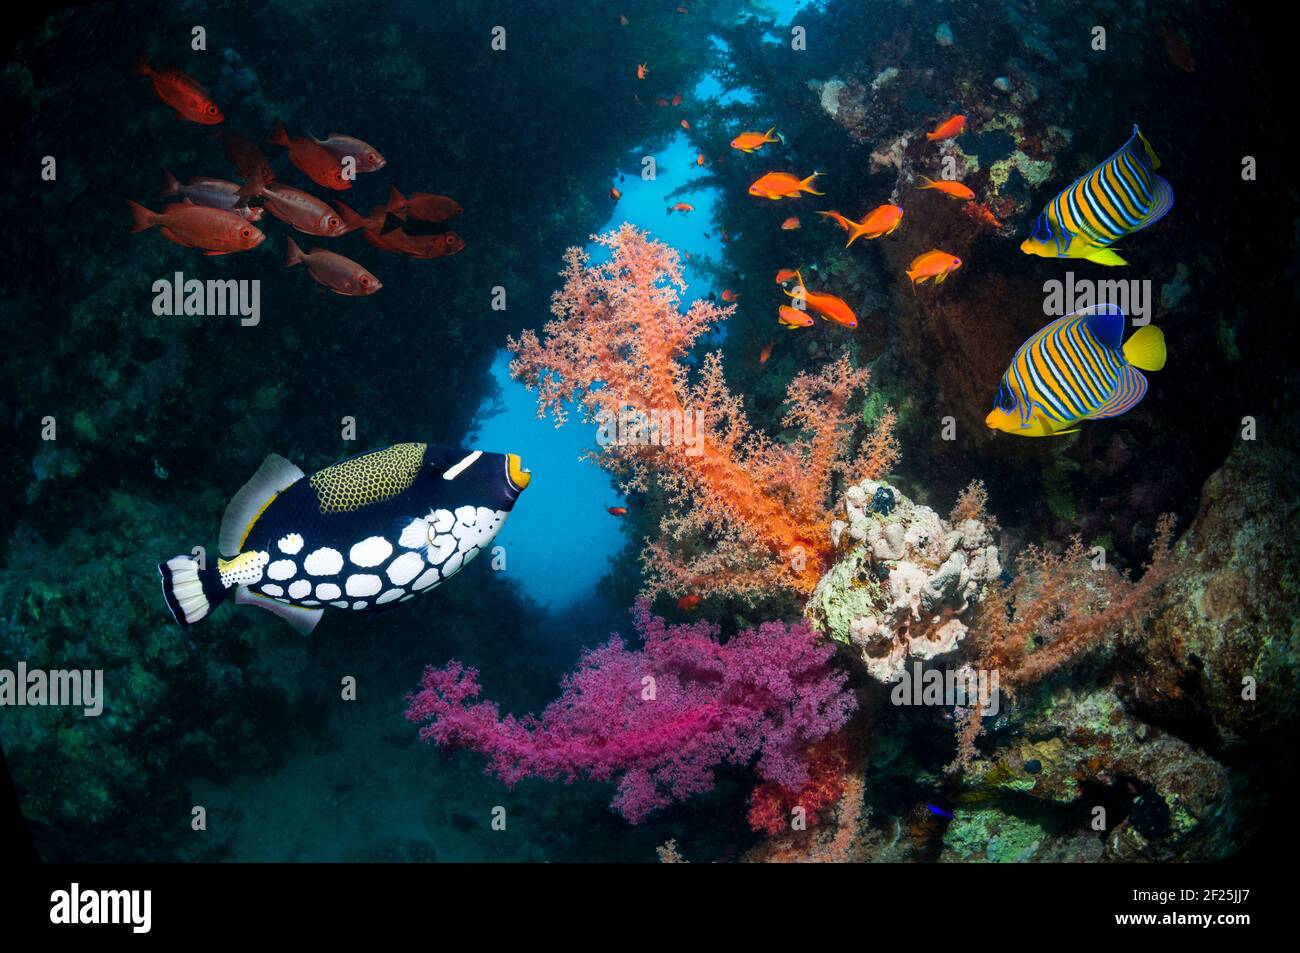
(940, 811)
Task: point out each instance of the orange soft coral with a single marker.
(746, 514)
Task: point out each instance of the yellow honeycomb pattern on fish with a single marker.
(376, 476)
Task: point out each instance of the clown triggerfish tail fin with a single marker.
(191, 591)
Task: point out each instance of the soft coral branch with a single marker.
(746, 513)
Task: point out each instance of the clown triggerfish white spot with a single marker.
(365, 534)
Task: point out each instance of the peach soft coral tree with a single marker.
(747, 514)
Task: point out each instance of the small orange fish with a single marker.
(687, 603)
(728, 295)
(725, 237)
(933, 264)
(955, 189)
(341, 275)
(753, 141)
(879, 221)
(982, 213)
(215, 230)
(614, 193)
(616, 510)
(790, 224)
(948, 129)
(641, 70)
(764, 354)
(312, 159)
(677, 100)
(682, 207)
(794, 318)
(179, 91)
(783, 185)
(686, 125)
(1178, 52)
(784, 275)
(699, 159)
(828, 306)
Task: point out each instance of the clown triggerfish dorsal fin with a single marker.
(273, 477)
(1106, 322)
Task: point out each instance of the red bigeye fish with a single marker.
(215, 230)
(179, 91)
(423, 206)
(367, 156)
(246, 156)
(297, 208)
(616, 510)
(416, 246)
(313, 160)
(214, 193)
(340, 275)
(688, 603)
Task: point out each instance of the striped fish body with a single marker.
(365, 534)
(1072, 369)
(1121, 196)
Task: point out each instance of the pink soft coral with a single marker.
(746, 514)
(659, 720)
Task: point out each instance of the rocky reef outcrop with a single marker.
(905, 580)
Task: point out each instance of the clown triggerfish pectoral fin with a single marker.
(273, 477)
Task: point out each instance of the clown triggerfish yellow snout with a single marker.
(365, 534)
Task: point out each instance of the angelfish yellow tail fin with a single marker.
(1105, 256)
(1146, 348)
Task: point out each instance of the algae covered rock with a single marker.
(904, 581)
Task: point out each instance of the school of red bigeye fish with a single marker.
(218, 216)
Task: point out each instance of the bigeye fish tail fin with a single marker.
(396, 200)
(141, 217)
(1105, 256)
(273, 477)
(280, 136)
(349, 216)
(253, 185)
(170, 184)
(292, 253)
(192, 590)
(301, 618)
(1146, 348)
(140, 65)
(1146, 145)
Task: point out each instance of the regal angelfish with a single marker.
(1076, 368)
(1121, 196)
(368, 533)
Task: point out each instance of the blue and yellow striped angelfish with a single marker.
(1121, 196)
(1077, 368)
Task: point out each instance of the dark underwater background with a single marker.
(162, 419)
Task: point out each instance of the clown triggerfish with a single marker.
(1077, 368)
(1121, 196)
(368, 533)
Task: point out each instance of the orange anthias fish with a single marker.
(677, 99)
(753, 141)
(699, 159)
(783, 185)
(933, 264)
(616, 510)
(790, 224)
(828, 306)
(688, 603)
(295, 207)
(614, 193)
(728, 295)
(641, 70)
(982, 213)
(682, 207)
(948, 129)
(785, 274)
(686, 125)
(764, 354)
(313, 160)
(879, 221)
(955, 189)
(423, 206)
(215, 230)
(180, 91)
(341, 275)
(794, 318)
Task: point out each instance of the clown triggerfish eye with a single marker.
(368, 533)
